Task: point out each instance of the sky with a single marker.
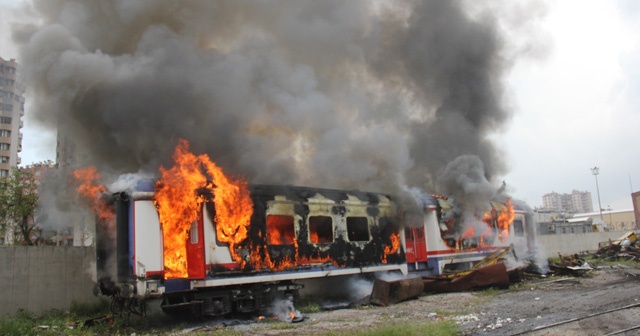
(576, 105)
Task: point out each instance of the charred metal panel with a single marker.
(386, 292)
(122, 237)
(105, 247)
(492, 275)
(299, 205)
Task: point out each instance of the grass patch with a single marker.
(310, 307)
(218, 332)
(75, 322)
(450, 312)
(438, 328)
(282, 326)
(54, 322)
(487, 292)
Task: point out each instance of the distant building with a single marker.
(65, 152)
(11, 113)
(613, 220)
(571, 225)
(635, 198)
(577, 201)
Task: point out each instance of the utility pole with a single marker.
(595, 171)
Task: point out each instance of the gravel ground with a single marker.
(522, 307)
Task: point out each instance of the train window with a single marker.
(518, 228)
(280, 230)
(193, 232)
(320, 229)
(357, 229)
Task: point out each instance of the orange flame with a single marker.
(90, 188)
(392, 247)
(470, 232)
(505, 219)
(178, 203)
(494, 218)
(280, 230)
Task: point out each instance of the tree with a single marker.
(18, 205)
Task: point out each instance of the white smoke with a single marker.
(129, 182)
(282, 309)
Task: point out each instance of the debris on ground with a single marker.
(495, 275)
(625, 247)
(386, 292)
(488, 272)
(571, 265)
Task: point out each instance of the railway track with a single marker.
(624, 320)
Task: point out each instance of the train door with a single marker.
(416, 245)
(195, 250)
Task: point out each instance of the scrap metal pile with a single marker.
(625, 247)
(488, 272)
(572, 265)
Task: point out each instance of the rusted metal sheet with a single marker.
(385, 292)
(492, 275)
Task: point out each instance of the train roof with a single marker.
(303, 192)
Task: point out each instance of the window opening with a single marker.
(280, 230)
(357, 229)
(518, 228)
(320, 229)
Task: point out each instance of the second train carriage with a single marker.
(437, 243)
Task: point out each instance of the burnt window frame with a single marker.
(293, 227)
(359, 218)
(518, 227)
(309, 230)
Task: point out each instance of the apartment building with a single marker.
(577, 201)
(11, 113)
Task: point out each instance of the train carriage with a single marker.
(437, 243)
(294, 233)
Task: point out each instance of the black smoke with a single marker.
(345, 94)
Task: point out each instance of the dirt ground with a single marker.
(530, 304)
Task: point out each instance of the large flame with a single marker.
(91, 189)
(178, 198)
(502, 219)
(493, 223)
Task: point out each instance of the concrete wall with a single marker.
(575, 242)
(42, 278)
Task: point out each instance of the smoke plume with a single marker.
(336, 93)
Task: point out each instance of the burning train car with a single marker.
(440, 239)
(208, 245)
(293, 233)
